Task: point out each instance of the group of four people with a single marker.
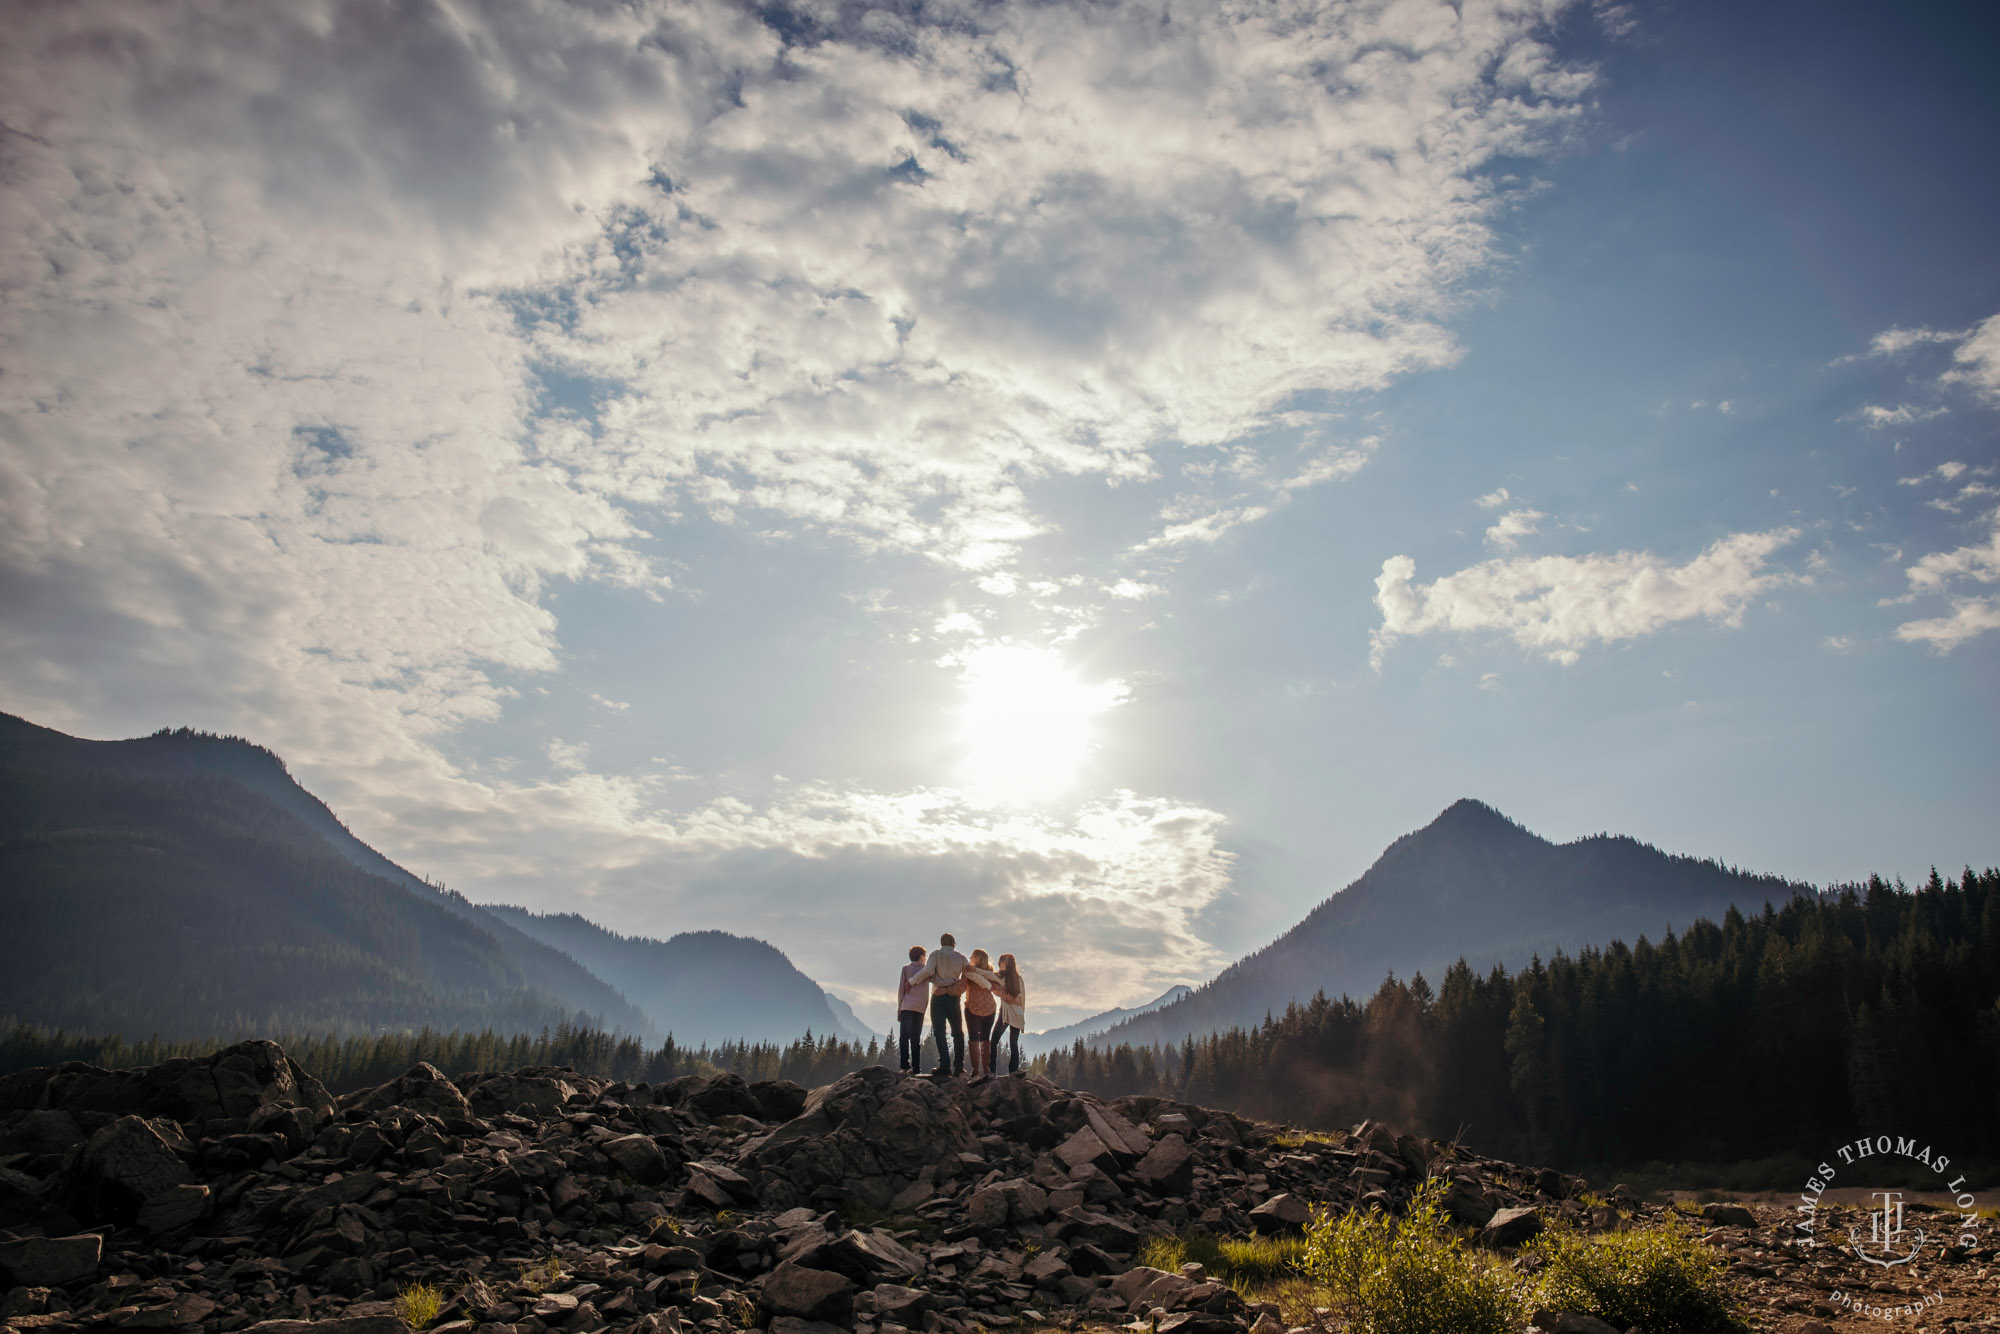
(991, 994)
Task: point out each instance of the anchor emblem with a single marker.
(1885, 1228)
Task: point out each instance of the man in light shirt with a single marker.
(911, 1002)
(945, 971)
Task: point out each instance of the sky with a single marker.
(1085, 476)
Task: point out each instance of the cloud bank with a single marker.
(1560, 605)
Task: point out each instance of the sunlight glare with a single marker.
(1027, 721)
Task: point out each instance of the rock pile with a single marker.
(234, 1194)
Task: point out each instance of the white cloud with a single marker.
(1978, 361)
(1970, 618)
(1493, 500)
(1880, 418)
(1944, 472)
(1513, 526)
(1934, 572)
(615, 705)
(338, 338)
(1559, 605)
(1895, 341)
(571, 755)
(1134, 590)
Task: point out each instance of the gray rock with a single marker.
(1168, 1167)
(1087, 1149)
(1281, 1213)
(638, 1157)
(905, 1306)
(175, 1208)
(1728, 1215)
(1511, 1227)
(1046, 1269)
(812, 1294)
(123, 1166)
(1083, 1227)
(50, 1262)
(423, 1088)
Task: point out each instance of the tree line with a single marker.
(1863, 1009)
(347, 1063)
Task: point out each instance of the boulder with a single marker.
(231, 1083)
(1168, 1167)
(778, 1100)
(50, 1262)
(811, 1294)
(1728, 1215)
(421, 1088)
(39, 1131)
(174, 1208)
(1142, 1286)
(1281, 1213)
(1511, 1227)
(639, 1157)
(1085, 1228)
(905, 1306)
(1086, 1148)
(123, 1166)
(521, 1093)
(1046, 1269)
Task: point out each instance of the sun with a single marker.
(1027, 723)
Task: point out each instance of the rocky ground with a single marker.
(233, 1193)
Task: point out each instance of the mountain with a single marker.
(182, 884)
(702, 986)
(850, 1023)
(1470, 884)
(1056, 1038)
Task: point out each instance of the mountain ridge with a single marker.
(1474, 884)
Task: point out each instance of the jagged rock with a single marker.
(1569, 1322)
(174, 1208)
(1046, 1269)
(33, 1262)
(1168, 1167)
(39, 1131)
(905, 1306)
(1511, 1227)
(125, 1165)
(1197, 1322)
(639, 1157)
(1086, 1148)
(812, 1294)
(233, 1082)
(1142, 1286)
(1728, 1215)
(1467, 1203)
(1281, 1213)
(370, 1324)
(522, 1093)
(777, 1100)
(870, 1133)
(421, 1088)
(1083, 1227)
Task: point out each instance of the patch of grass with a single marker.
(1241, 1262)
(727, 1217)
(1660, 1279)
(1410, 1275)
(542, 1275)
(1298, 1139)
(665, 1223)
(419, 1304)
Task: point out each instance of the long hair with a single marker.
(1010, 973)
(979, 959)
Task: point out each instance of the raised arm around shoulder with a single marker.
(929, 971)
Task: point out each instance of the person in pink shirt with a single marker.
(912, 999)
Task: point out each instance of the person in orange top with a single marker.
(981, 1005)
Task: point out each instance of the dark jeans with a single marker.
(944, 1010)
(981, 1026)
(1008, 1034)
(910, 1042)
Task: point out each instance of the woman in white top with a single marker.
(1012, 994)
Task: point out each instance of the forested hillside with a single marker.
(701, 986)
(147, 888)
(1474, 885)
(1787, 1032)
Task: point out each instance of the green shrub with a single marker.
(1662, 1279)
(419, 1305)
(1410, 1275)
